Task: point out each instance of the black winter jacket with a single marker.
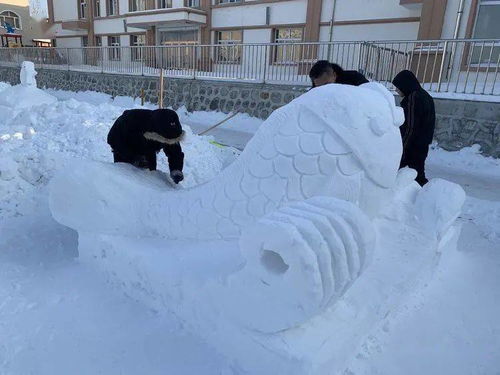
(420, 115)
(127, 136)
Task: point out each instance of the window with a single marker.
(85, 41)
(137, 41)
(82, 9)
(10, 18)
(164, 4)
(288, 52)
(114, 53)
(487, 27)
(185, 36)
(228, 50)
(137, 5)
(97, 8)
(112, 7)
(193, 3)
(228, 1)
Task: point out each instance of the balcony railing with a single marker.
(453, 66)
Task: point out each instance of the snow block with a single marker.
(287, 259)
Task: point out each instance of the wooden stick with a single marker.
(219, 123)
(160, 101)
(142, 97)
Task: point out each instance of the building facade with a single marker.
(79, 23)
(16, 13)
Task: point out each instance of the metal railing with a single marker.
(454, 66)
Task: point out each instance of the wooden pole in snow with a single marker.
(160, 99)
(219, 123)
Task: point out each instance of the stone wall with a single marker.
(257, 100)
(460, 123)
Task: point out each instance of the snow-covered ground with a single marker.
(57, 316)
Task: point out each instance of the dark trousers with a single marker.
(414, 157)
(139, 161)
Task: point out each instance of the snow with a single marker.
(61, 316)
(37, 142)
(464, 96)
(298, 135)
(310, 201)
(25, 95)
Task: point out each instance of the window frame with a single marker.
(189, 4)
(285, 43)
(229, 43)
(114, 50)
(468, 53)
(224, 2)
(115, 7)
(168, 4)
(15, 17)
(82, 9)
(97, 8)
(132, 2)
(481, 3)
(136, 52)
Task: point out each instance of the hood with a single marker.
(166, 123)
(406, 82)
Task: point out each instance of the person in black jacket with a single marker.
(139, 134)
(420, 119)
(324, 72)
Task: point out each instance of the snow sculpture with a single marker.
(28, 74)
(318, 145)
(330, 238)
(25, 95)
(273, 261)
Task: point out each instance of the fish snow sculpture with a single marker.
(318, 145)
(301, 211)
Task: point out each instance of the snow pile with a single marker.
(3, 86)
(468, 160)
(434, 216)
(35, 143)
(25, 95)
(485, 217)
(292, 300)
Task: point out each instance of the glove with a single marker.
(177, 176)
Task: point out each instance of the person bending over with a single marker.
(139, 134)
(324, 72)
(420, 119)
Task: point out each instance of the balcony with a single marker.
(147, 13)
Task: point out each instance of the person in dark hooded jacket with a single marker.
(139, 134)
(324, 72)
(420, 118)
